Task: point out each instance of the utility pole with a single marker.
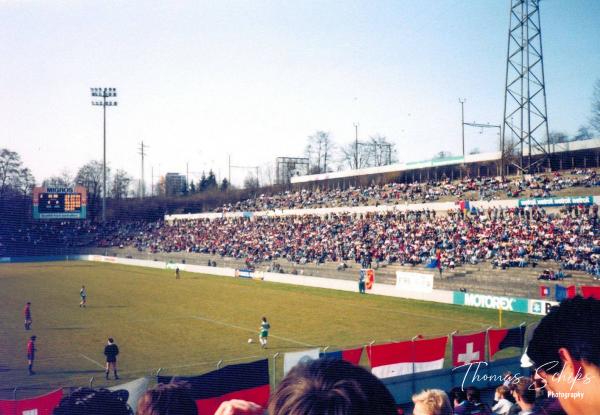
(462, 111)
(142, 153)
(104, 93)
(229, 175)
(356, 124)
(187, 175)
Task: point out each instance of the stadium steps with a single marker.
(480, 278)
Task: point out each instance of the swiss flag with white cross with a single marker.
(468, 348)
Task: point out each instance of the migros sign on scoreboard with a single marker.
(59, 202)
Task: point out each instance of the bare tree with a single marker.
(120, 184)
(583, 133)
(13, 176)
(319, 151)
(65, 179)
(251, 182)
(380, 151)
(350, 158)
(555, 137)
(595, 118)
(90, 177)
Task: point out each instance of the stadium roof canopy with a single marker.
(571, 146)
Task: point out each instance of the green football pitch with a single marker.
(187, 326)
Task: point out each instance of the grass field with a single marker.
(186, 326)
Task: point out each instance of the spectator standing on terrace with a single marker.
(111, 350)
(31, 354)
(27, 315)
(177, 273)
(264, 332)
(83, 295)
(361, 282)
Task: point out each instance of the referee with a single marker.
(111, 351)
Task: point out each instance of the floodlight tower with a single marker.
(525, 88)
(104, 93)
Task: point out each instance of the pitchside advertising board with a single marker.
(516, 304)
(557, 201)
(59, 202)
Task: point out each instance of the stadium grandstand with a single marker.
(337, 281)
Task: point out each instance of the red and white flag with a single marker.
(403, 358)
(39, 405)
(468, 348)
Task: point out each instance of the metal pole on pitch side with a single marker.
(274, 367)
(451, 335)
(15, 393)
(219, 363)
(499, 317)
(92, 383)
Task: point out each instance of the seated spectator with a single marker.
(167, 399)
(565, 351)
(87, 401)
(322, 387)
(502, 399)
(432, 402)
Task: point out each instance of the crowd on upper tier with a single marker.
(502, 237)
(537, 185)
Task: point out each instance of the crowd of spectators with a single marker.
(484, 188)
(515, 237)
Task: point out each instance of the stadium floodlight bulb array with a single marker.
(104, 92)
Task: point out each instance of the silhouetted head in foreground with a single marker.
(331, 387)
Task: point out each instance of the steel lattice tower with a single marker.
(525, 114)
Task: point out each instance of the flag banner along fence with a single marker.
(246, 381)
(40, 405)
(403, 358)
(562, 293)
(468, 348)
(544, 291)
(291, 359)
(351, 355)
(593, 292)
(135, 390)
(500, 339)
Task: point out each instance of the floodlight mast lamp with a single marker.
(104, 93)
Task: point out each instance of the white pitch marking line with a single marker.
(250, 330)
(92, 360)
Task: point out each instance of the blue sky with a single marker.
(199, 80)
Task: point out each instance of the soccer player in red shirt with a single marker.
(27, 314)
(31, 354)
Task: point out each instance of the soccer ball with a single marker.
(250, 340)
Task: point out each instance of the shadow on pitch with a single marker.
(77, 372)
(66, 328)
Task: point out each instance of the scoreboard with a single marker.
(59, 202)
